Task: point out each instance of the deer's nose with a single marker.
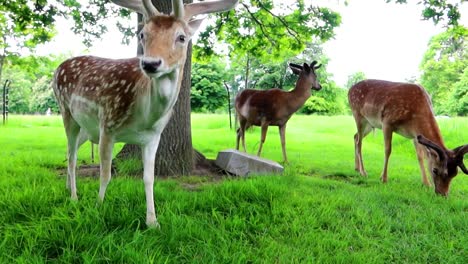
(151, 66)
(317, 87)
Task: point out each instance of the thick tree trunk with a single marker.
(175, 152)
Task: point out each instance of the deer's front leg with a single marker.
(106, 144)
(149, 154)
(387, 132)
(420, 155)
(282, 132)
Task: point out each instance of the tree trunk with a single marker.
(175, 152)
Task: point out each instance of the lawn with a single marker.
(319, 211)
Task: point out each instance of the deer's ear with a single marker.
(296, 69)
(306, 68)
(194, 25)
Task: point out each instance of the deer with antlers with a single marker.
(274, 107)
(405, 109)
(129, 100)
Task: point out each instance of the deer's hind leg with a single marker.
(264, 126)
(363, 129)
(75, 138)
(241, 132)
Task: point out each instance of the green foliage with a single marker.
(458, 102)
(268, 30)
(355, 78)
(208, 93)
(443, 65)
(439, 10)
(30, 89)
(328, 101)
(318, 211)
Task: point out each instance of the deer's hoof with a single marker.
(153, 225)
(152, 222)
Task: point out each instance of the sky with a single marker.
(382, 40)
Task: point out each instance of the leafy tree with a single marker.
(443, 64)
(30, 78)
(42, 97)
(458, 102)
(20, 90)
(439, 10)
(207, 91)
(266, 31)
(355, 78)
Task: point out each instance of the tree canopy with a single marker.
(443, 66)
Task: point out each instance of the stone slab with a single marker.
(243, 164)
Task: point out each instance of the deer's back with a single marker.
(270, 105)
(390, 102)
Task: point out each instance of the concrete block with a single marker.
(243, 164)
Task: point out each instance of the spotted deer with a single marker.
(405, 109)
(274, 107)
(129, 100)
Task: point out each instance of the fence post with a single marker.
(5, 100)
(229, 104)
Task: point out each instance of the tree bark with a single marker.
(175, 152)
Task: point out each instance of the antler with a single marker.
(312, 65)
(207, 7)
(144, 7)
(460, 152)
(426, 142)
(150, 9)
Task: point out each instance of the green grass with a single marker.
(318, 211)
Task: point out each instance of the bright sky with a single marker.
(385, 41)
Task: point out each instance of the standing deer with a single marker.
(274, 107)
(129, 100)
(407, 110)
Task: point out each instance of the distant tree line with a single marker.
(444, 75)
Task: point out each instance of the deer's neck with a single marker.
(160, 97)
(299, 94)
(430, 130)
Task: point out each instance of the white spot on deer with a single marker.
(244, 111)
(128, 88)
(62, 72)
(65, 78)
(123, 82)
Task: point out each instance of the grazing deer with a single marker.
(407, 110)
(274, 107)
(129, 100)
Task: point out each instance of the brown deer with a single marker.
(129, 100)
(274, 107)
(405, 109)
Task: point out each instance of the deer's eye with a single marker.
(141, 36)
(435, 171)
(181, 38)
